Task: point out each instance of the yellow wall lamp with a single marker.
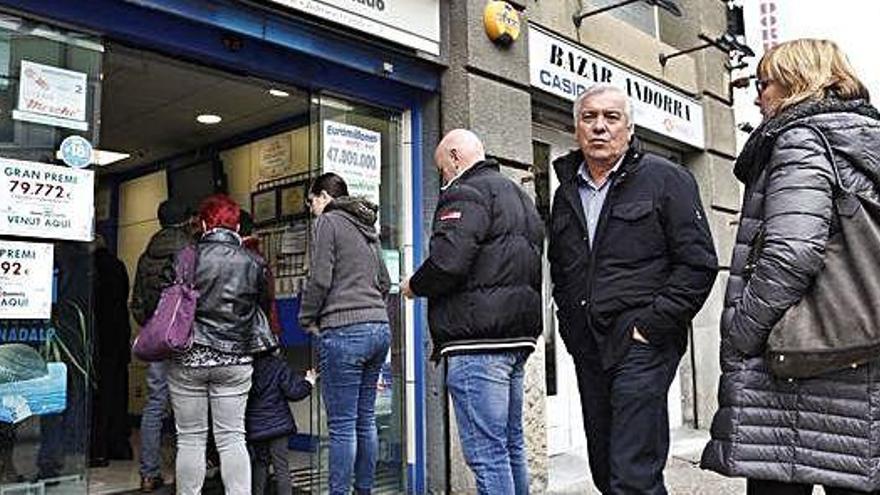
(502, 22)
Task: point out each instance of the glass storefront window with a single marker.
(45, 363)
(382, 184)
(270, 143)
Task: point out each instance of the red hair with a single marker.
(219, 210)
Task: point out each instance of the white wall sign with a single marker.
(565, 69)
(48, 201)
(274, 155)
(25, 280)
(52, 96)
(413, 23)
(355, 154)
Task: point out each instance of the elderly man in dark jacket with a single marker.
(632, 261)
(152, 276)
(483, 284)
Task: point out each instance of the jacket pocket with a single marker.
(633, 232)
(633, 211)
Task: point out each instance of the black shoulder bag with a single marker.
(837, 323)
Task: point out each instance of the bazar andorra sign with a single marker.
(412, 23)
(566, 69)
(47, 201)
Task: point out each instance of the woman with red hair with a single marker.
(230, 327)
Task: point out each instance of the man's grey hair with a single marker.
(598, 89)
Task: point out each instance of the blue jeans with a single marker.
(350, 359)
(487, 394)
(152, 417)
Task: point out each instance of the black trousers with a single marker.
(272, 451)
(759, 487)
(626, 419)
(110, 425)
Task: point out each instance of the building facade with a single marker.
(519, 97)
(252, 98)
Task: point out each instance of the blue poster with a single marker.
(28, 385)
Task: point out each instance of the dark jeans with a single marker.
(760, 487)
(153, 413)
(350, 359)
(263, 453)
(625, 417)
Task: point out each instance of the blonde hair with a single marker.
(810, 68)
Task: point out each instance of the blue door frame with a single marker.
(272, 44)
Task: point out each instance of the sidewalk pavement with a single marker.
(570, 475)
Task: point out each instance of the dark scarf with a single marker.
(756, 152)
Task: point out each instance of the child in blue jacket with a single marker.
(268, 420)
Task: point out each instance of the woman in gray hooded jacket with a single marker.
(345, 300)
(785, 435)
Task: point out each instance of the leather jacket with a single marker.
(232, 285)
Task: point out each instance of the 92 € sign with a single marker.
(25, 280)
(47, 201)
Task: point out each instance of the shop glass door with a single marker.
(363, 144)
(47, 368)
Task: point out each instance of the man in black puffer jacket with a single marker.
(632, 261)
(483, 284)
(153, 268)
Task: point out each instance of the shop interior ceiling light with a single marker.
(279, 93)
(208, 119)
(103, 157)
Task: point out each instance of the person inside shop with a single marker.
(153, 274)
(344, 300)
(217, 369)
(110, 427)
(251, 241)
(269, 422)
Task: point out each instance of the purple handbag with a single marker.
(169, 330)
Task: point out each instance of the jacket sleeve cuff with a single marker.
(430, 281)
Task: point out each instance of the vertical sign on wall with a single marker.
(355, 154)
(769, 20)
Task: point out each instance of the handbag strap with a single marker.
(186, 264)
(757, 244)
(838, 185)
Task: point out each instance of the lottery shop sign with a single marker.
(47, 201)
(25, 280)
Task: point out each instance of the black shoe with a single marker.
(98, 462)
(151, 483)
